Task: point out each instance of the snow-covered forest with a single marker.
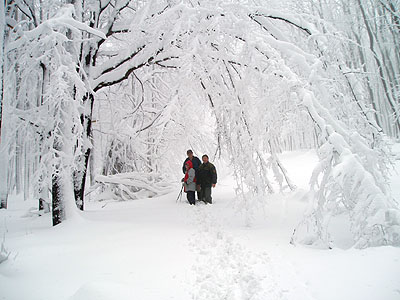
(100, 99)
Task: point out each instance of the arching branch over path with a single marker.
(272, 81)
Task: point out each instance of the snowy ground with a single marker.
(155, 249)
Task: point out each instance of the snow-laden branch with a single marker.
(291, 19)
(116, 74)
(62, 21)
(135, 185)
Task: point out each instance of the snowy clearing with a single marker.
(159, 249)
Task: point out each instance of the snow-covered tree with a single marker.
(273, 80)
(370, 40)
(80, 29)
(43, 102)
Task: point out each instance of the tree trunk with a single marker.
(58, 212)
(3, 179)
(57, 203)
(3, 160)
(80, 180)
(3, 198)
(4, 183)
(79, 177)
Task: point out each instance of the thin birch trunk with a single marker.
(3, 153)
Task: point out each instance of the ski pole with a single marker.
(180, 194)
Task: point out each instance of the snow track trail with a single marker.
(226, 269)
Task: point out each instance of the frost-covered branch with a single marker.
(134, 185)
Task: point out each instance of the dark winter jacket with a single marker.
(206, 174)
(195, 161)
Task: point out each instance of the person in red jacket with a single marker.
(189, 182)
(196, 164)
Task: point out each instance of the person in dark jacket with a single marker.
(196, 164)
(206, 177)
(194, 159)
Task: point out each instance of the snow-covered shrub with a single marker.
(4, 253)
(135, 185)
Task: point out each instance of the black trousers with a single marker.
(191, 198)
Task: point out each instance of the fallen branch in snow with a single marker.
(135, 185)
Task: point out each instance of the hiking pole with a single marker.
(180, 195)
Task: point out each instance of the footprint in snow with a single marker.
(225, 269)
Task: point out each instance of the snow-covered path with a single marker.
(158, 249)
(228, 269)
